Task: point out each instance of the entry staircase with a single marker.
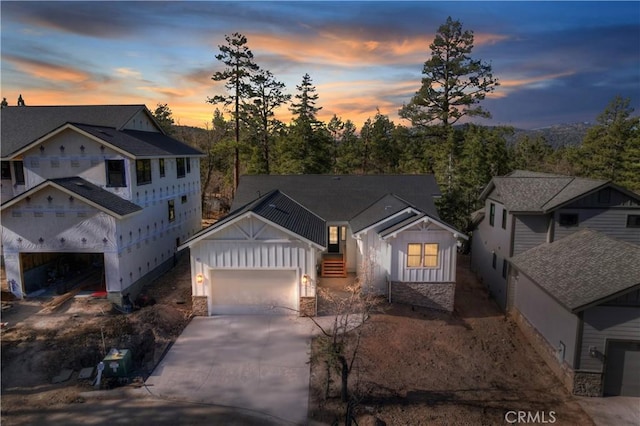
(333, 267)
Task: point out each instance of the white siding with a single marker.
(445, 272)
(249, 244)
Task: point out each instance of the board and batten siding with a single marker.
(529, 231)
(444, 272)
(602, 323)
(555, 323)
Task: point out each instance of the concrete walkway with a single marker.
(612, 410)
(257, 363)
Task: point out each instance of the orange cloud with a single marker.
(47, 71)
(350, 50)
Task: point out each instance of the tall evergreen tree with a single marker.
(611, 148)
(308, 146)
(453, 82)
(164, 117)
(267, 95)
(452, 87)
(238, 59)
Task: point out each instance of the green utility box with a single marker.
(118, 363)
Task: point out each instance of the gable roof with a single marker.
(23, 126)
(86, 191)
(140, 143)
(582, 268)
(279, 209)
(341, 197)
(381, 209)
(534, 192)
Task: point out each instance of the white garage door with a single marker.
(253, 292)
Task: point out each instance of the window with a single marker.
(172, 211)
(115, 173)
(333, 235)
(180, 167)
(633, 221)
(504, 218)
(568, 219)
(143, 172)
(604, 196)
(183, 199)
(430, 256)
(414, 255)
(505, 267)
(161, 167)
(18, 170)
(188, 161)
(494, 261)
(492, 214)
(6, 170)
(422, 255)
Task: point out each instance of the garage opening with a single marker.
(57, 273)
(253, 292)
(623, 369)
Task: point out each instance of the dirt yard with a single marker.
(38, 344)
(419, 367)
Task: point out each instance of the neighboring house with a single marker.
(578, 300)
(89, 189)
(284, 233)
(525, 209)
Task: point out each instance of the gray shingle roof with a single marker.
(86, 191)
(139, 143)
(386, 206)
(535, 192)
(282, 210)
(97, 195)
(23, 125)
(340, 198)
(582, 268)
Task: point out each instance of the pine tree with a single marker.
(238, 59)
(611, 149)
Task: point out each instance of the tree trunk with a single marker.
(344, 369)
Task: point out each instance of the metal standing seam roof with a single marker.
(88, 191)
(21, 126)
(582, 268)
(281, 210)
(340, 198)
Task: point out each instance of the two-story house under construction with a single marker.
(96, 191)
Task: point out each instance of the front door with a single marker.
(333, 245)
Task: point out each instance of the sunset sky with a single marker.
(557, 62)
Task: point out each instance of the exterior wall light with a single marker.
(305, 279)
(199, 278)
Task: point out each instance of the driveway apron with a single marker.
(259, 363)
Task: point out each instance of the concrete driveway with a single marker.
(257, 363)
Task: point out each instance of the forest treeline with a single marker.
(244, 137)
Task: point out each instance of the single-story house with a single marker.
(285, 233)
(578, 300)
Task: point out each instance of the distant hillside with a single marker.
(557, 135)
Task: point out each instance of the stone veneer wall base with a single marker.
(200, 306)
(308, 307)
(437, 296)
(561, 369)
